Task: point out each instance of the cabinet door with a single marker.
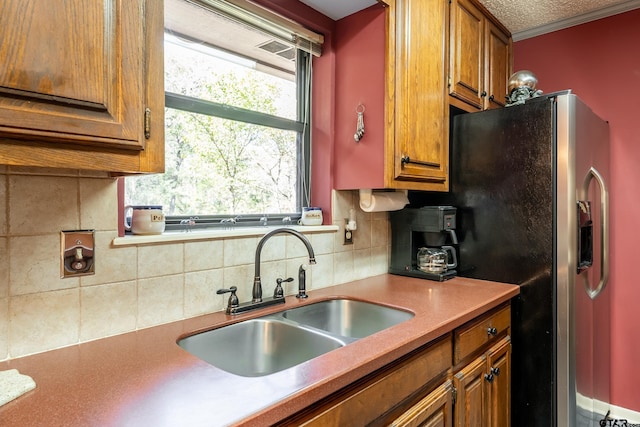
(72, 72)
(466, 54)
(499, 382)
(498, 68)
(471, 401)
(417, 144)
(435, 410)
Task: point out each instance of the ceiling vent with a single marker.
(277, 48)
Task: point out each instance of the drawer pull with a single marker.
(492, 331)
(493, 372)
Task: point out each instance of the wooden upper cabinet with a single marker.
(417, 147)
(466, 68)
(479, 57)
(80, 81)
(498, 65)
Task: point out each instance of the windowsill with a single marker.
(181, 236)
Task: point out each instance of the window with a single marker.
(236, 120)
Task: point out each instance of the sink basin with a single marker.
(258, 347)
(269, 344)
(347, 318)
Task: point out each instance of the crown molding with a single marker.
(577, 20)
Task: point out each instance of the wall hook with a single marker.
(360, 123)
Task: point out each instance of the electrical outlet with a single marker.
(348, 234)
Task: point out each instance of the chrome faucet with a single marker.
(257, 283)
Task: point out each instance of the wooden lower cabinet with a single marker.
(373, 399)
(435, 410)
(483, 389)
(499, 365)
(461, 379)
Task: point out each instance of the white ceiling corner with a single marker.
(337, 9)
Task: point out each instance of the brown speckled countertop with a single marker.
(144, 379)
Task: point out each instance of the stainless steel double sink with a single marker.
(272, 343)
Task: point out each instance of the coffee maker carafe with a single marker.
(423, 242)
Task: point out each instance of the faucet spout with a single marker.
(257, 283)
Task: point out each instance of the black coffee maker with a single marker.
(426, 227)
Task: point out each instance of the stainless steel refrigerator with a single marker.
(531, 186)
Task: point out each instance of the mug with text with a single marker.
(311, 216)
(146, 219)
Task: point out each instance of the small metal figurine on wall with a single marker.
(360, 123)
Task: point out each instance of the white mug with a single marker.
(148, 219)
(311, 216)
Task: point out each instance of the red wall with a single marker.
(600, 62)
(360, 73)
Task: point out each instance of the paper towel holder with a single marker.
(367, 198)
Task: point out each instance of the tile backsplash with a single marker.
(141, 286)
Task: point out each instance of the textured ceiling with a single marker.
(526, 15)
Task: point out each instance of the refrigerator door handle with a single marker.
(604, 229)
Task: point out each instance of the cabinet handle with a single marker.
(488, 377)
(491, 98)
(147, 123)
(406, 160)
(483, 94)
(494, 371)
(492, 331)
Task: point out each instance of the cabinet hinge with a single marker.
(448, 81)
(147, 122)
(454, 395)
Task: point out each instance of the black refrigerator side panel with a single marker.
(504, 187)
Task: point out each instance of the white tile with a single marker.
(361, 264)
(160, 300)
(160, 260)
(43, 321)
(343, 267)
(34, 265)
(4, 328)
(296, 248)
(42, 204)
(362, 236)
(274, 248)
(112, 263)
(380, 233)
(108, 310)
(98, 204)
(239, 251)
(203, 255)
(4, 267)
(343, 202)
(322, 274)
(200, 292)
(323, 242)
(3, 204)
(379, 260)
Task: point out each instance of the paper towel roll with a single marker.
(382, 201)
